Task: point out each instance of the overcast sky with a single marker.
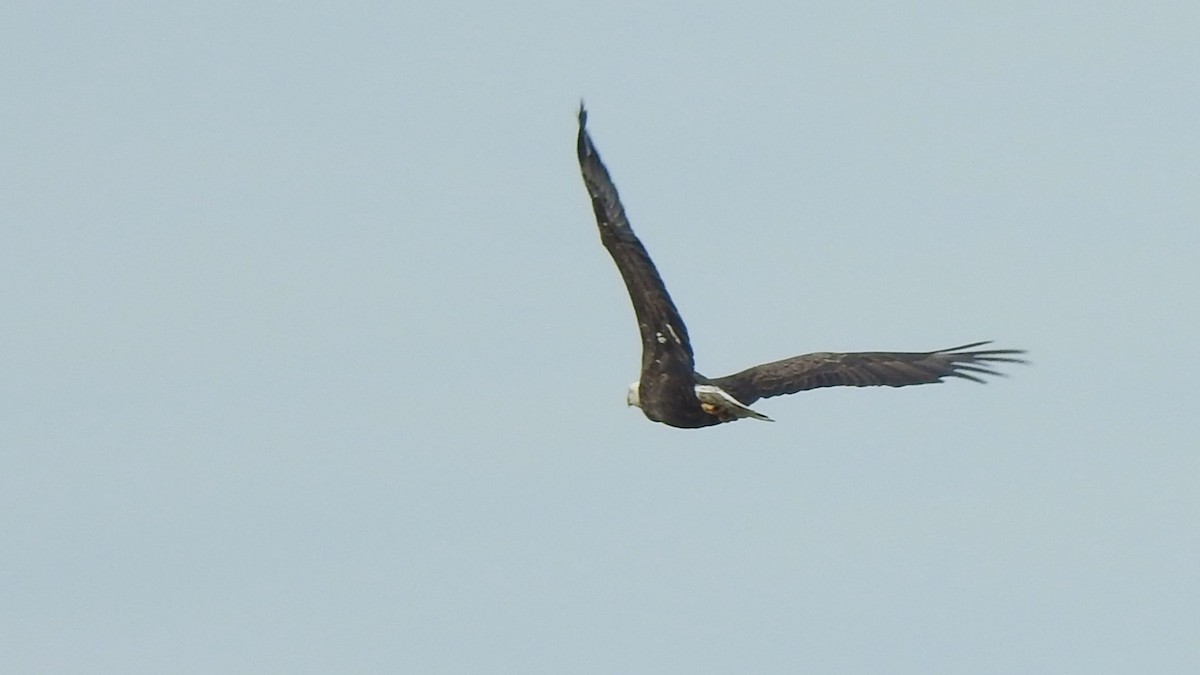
(311, 360)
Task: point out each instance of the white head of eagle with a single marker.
(632, 397)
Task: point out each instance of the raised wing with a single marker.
(667, 362)
(864, 369)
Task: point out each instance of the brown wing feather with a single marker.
(667, 377)
(864, 369)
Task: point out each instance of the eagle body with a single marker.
(670, 390)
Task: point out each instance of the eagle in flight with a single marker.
(672, 392)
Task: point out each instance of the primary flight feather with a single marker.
(672, 392)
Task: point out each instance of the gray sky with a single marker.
(312, 361)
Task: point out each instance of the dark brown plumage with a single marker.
(863, 369)
(671, 392)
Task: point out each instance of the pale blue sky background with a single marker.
(312, 362)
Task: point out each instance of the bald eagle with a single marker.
(672, 392)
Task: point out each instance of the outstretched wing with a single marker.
(667, 362)
(864, 369)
